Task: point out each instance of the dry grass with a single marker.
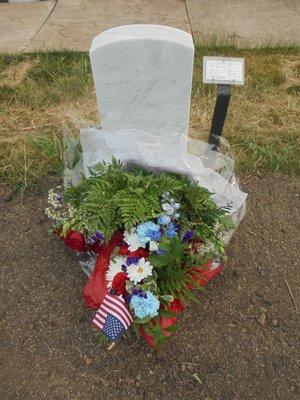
(33, 111)
(37, 91)
(263, 120)
(13, 75)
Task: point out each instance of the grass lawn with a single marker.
(38, 90)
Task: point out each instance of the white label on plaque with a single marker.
(223, 70)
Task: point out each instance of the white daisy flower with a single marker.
(139, 271)
(115, 266)
(133, 241)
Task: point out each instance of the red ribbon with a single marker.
(96, 286)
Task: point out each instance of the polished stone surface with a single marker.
(143, 78)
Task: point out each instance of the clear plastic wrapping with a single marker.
(209, 167)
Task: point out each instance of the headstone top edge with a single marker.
(142, 31)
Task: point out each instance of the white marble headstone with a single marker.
(143, 78)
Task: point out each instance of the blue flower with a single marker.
(172, 227)
(59, 197)
(187, 236)
(139, 293)
(145, 230)
(163, 219)
(176, 206)
(132, 260)
(97, 236)
(145, 307)
(159, 252)
(170, 233)
(154, 235)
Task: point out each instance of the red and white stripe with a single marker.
(115, 306)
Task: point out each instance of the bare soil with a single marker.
(240, 342)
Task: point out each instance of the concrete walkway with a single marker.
(249, 22)
(19, 23)
(73, 23)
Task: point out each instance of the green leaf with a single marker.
(166, 313)
(172, 328)
(141, 321)
(167, 298)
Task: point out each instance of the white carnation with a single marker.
(115, 266)
(133, 241)
(153, 246)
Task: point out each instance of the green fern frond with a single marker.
(115, 198)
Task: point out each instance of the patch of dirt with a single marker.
(240, 342)
(14, 75)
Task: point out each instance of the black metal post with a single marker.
(222, 102)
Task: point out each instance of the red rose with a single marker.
(74, 240)
(119, 283)
(140, 252)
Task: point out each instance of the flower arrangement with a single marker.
(156, 239)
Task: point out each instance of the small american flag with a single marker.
(113, 318)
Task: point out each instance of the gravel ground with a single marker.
(240, 342)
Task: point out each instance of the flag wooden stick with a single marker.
(111, 345)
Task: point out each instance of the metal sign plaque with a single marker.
(223, 70)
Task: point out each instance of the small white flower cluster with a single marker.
(207, 248)
(71, 211)
(57, 210)
(170, 206)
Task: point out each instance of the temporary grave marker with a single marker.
(223, 71)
